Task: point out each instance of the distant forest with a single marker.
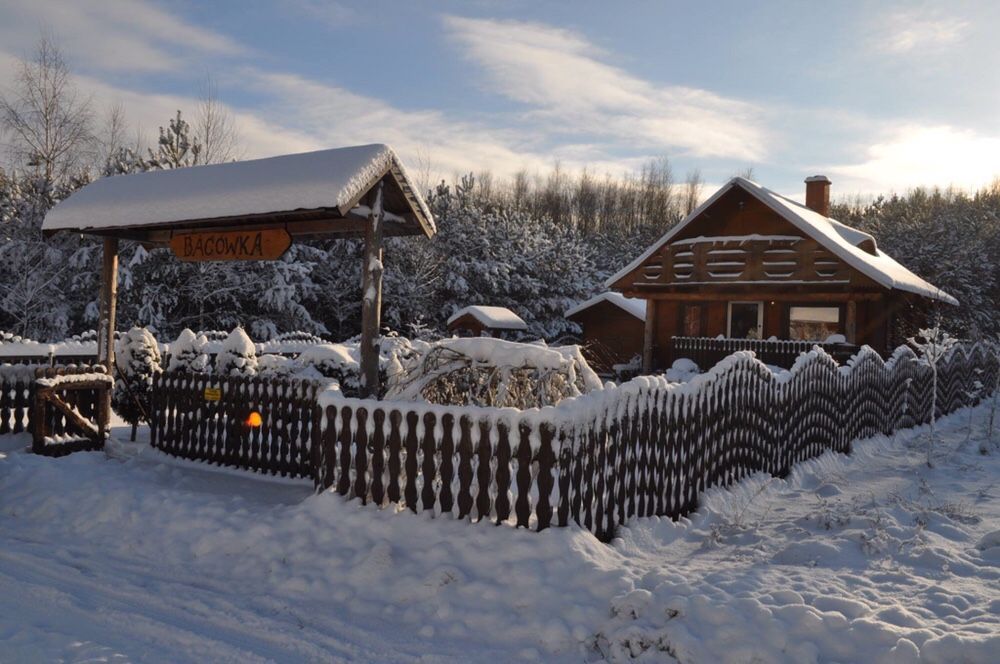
(537, 243)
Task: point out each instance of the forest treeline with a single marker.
(537, 243)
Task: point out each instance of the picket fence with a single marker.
(209, 418)
(647, 447)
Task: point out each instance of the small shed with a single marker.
(477, 320)
(613, 327)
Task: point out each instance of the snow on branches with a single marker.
(137, 360)
(238, 356)
(933, 344)
(488, 372)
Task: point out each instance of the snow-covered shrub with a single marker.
(275, 366)
(933, 344)
(682, 370)
(187, 353)
(488, 372)
(238, 355)
(340, 362)
(137, 360)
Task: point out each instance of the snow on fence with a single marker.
(647, 447)
(708, 351)
(17, 399)
(211, 418)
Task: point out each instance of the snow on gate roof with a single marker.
(840, 239)
(633, 305)
(497, 318)
(313, 186)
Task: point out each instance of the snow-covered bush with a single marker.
(488, 372)
(137, 360)
(187, 353)
(933, 344)
(340, 362)
(275, 366)
(238, 356)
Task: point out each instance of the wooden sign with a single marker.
(261, 245)
(213, 394)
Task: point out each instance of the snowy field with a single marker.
(139, 557)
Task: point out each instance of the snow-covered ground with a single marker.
(139, 557)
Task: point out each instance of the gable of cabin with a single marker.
(740, 245)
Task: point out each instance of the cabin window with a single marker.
(692, 320)
(746, 320)
(813, 323)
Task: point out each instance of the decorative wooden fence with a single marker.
(210, 418)
(708, 351)
(645, 448)
(17, 394)
(17, 403)
(68, 409)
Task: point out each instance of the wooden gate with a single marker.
(69, 406)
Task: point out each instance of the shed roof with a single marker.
(843, 241)
(496, 318)
(632, 305)
(312, 193)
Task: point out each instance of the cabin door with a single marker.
(746, 320)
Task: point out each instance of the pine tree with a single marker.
(238, 356)
(187, 353)
(137, 360)
(175, 147)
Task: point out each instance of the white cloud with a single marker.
(119, 35)
(333, 116)
(563, 77)
(918, 30)
(923, 155)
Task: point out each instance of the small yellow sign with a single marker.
(213, 394)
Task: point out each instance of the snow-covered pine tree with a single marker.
(187, 353)
(137, 360)
(933, 344)
(176, 148)
(238, 356)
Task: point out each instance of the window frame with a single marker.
(729, 316)
(786, 319)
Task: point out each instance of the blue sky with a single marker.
(876, 95)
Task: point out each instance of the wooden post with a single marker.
(371, 298)
(106, 325)
(851, 327)
(648, 337)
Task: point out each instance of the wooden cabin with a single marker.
(478, 321)
(612, 326)
(750, 264)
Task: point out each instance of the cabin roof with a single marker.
(840, 239)
(632, 305)
(324, 186)
(496, 318)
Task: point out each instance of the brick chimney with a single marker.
(818, 194)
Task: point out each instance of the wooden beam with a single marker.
(371, 297)
(851, 325)
(648, 337)
(106, 324)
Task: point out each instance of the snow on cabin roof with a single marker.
(633, 305)
(325, 179)
(843, 241)
(497, 318)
